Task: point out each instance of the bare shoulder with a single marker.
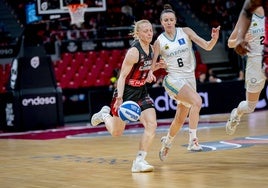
(187, 30)
(132, 54)
(191, 33)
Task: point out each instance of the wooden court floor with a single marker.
(234, 161)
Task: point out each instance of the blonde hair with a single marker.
(136, 27)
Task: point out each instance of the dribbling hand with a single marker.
(242, 48)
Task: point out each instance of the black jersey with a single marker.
(139, 72)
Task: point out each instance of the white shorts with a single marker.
(173, 86)
(254, 78)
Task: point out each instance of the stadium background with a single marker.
(83, 60)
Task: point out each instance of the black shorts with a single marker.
(139, 95)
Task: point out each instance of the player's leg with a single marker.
(255, 82)
(148, 119)
(113, 124)
(192, 100)
(244, 107)
(178, 121)
(184, 90)
(98, 117)
(249, 105)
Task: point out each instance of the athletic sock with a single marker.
(169, 139)
(141, 155)
(192, 134)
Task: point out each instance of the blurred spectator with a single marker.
(202, 78)
(127, 10)
(212, 77)
(73, 33)
(113, 79)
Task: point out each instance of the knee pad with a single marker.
(247, 106)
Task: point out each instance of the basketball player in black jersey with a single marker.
(131, 85)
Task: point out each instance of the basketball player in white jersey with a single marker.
(174, 45)
(255, 78)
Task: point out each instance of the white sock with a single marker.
(105, 116)
(169, 139)
(246, 107)
(141, 155)
(192, 134)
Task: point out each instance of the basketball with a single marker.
(129, 111)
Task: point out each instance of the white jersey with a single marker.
(178, 54)
(257, 32)
(254, 77)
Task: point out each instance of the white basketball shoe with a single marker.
(97, 118)
(141, 166)
(164, 149)
(194, 145)
(233, 122)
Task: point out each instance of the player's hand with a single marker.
(118, 102)
(151, 77)
(242, 48)
(161, 64)
(215, 32)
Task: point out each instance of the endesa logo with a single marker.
(37, 101)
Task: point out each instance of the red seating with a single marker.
(92, 55)
(75, 65)
(75, 82)
(87, 63)
(70, 72)
(100, 82)
(98, 66)
(4, 76)
(67, 58)
(79, 56)
(91, 79)
(108, 70)
(87, 69)
(82, 71)
(116, 54)
(104, 54)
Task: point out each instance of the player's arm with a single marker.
(130, 59)
(206, 45)
(151, 78)
(155, 63)
(243, 24)
(160, 63)
(233, 38)
(156, 48)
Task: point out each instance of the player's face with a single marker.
(168, 21)
(146, 32)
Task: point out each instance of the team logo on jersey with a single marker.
(181, 41)
(166, 47)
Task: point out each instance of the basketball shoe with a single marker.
(194, 145)
(164, 149)
(97, 118)
(233, 122)
(141, 166)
